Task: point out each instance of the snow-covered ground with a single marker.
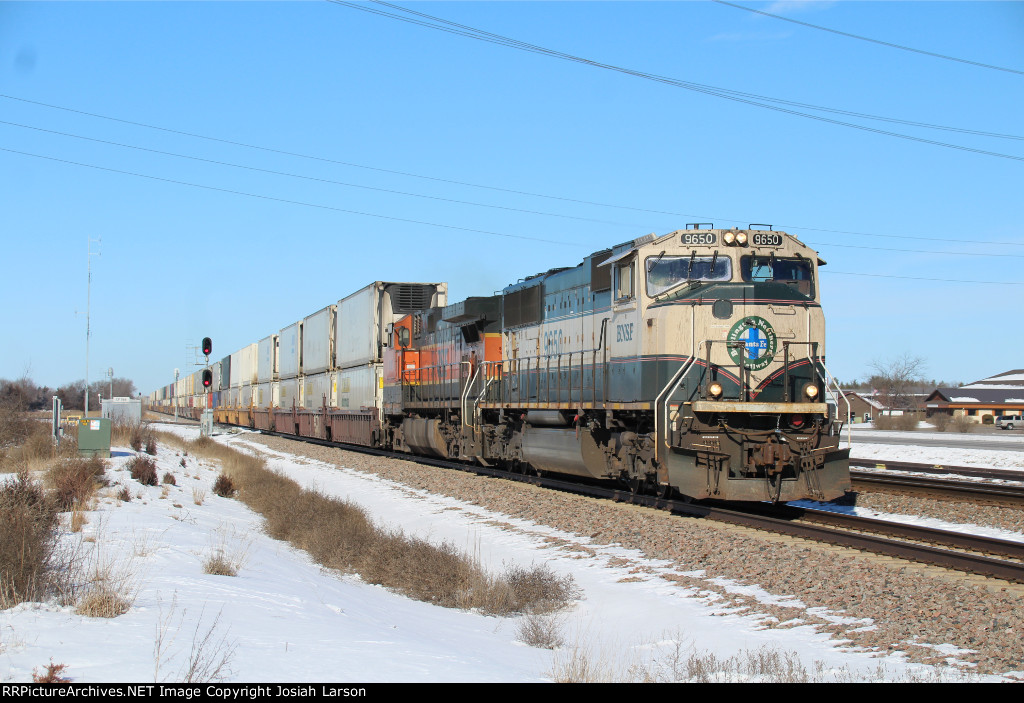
(283, 618)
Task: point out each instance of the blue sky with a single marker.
(370, 97)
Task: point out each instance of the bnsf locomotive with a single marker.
(689, 363)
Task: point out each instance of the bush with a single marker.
(962, 423)
(151, 446)
(143, 470)
(74, 480)
(28, 542)
(169, 479)
(906, 422)
(224, 486)
(940, 421)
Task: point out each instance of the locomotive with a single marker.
(691, 364)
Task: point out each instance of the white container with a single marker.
(318, 341)
(289, 393)
(359, 387)
(215, 368)
(289, 351)
(265, 395)
(318, 389)
(245, 396)
(266, 359)
(243, 366)
(363, 317)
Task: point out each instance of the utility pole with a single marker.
(88, 308)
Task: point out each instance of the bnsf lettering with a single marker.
(624, 333)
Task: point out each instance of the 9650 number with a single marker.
(767, 239)
(704, 239)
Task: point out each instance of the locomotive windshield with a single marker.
(666, 272)
(797, 272)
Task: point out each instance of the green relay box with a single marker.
(94, 437)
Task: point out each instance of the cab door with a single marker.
(624, 332)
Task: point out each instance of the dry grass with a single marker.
(198, 496)
(227, 555)
(30, 562)
(682, 664)
(339, 535)
(143, 470)
(224, 486)
(73, 481)
(169, 479)
(544, 631)
(907, 422)
(111, 590)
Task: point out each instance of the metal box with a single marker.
(94, 437)
(289, 393)
(126, 410)
(318, 390)
(289, 351)
(318, 341)
(362, 318)
(243, 366)
(266, 364)
(359, 387)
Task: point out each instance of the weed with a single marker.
(151, 446)
(198, 496)
(169, 479)
(74, 480)
(28, 542)
(544, 631)
(125, 494)
(143, 470)
(53, 674)
(224, 486)
(111, 591)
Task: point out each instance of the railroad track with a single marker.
(973, 554)
(985, 493)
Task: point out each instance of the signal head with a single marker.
(207, 346)
(207, 378)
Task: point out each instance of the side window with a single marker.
(624, 281)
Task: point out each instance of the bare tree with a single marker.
(895, 379)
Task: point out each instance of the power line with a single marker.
(703, 218)
(869, 39)
(313, 178)
(418, 222)
(285, 200)
(444, 200)
(736, 96)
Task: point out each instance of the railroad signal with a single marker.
(207, 346)
(207, 378)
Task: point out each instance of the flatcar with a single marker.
(691, 363)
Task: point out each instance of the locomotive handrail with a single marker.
(849, 411)
(673, 384)
(465, 395)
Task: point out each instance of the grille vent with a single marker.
(410, 297)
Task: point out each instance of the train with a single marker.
(689, 364)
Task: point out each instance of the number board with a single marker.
(703, 238)
(766, 239)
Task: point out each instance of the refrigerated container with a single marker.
(362, 318)
(266, 365)
(243, 366)
(289, 351)
(318, 332)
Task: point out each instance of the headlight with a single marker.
(715, 389)
(729, 238)
(741, 239)
(811, 391)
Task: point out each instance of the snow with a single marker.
(284, 619)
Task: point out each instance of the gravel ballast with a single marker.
(868, 602)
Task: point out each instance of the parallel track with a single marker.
(875, 536)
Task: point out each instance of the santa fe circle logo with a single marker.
(759, 342)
